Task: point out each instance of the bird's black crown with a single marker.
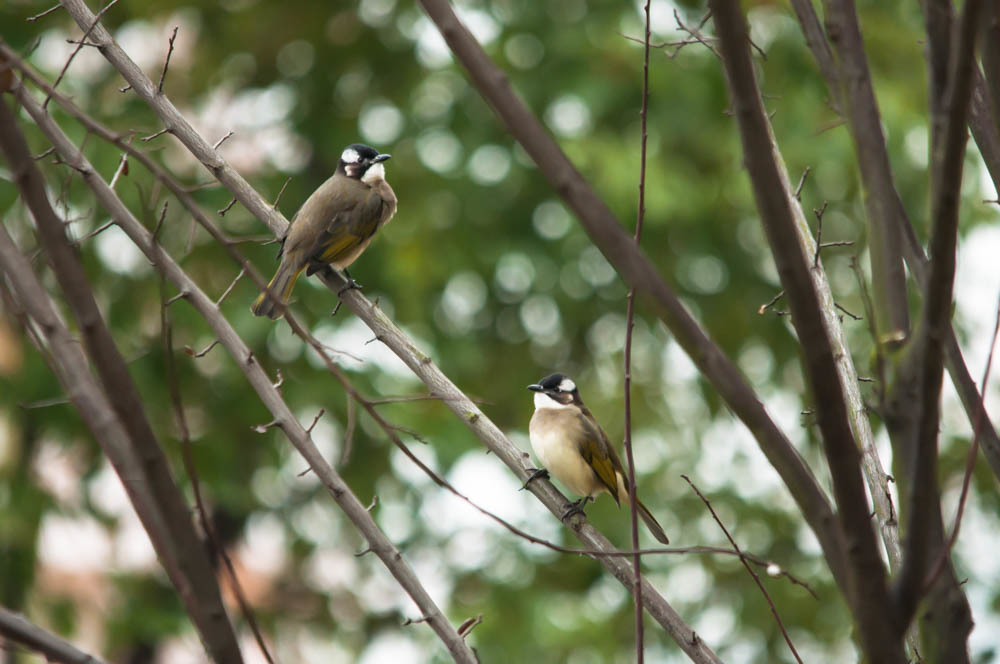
(364, 152)
(557, 382)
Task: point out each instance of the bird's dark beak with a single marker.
(381, 157)
(536, 388)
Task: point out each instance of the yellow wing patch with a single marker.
(603, 466)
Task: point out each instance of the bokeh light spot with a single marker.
(380, 123)
(489, 164)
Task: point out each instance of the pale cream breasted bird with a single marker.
(334, 226)
(571, 446)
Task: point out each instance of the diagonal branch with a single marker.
(636, 270)
(875, 476)
(882, 203)
(746, 565)
(197, 585)
(820, 47)
(258, 379)
(867, 588)
(985, 132)
(54, 649)
(388, 333)
(173, 121)
(69, 364)
(804, 484)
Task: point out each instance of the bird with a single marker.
(571, 445)
(333, 227)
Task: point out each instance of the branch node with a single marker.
(262, 428)
(147, 139)
(223, 211)
(203, 352)
(222, 140)
(315, 420)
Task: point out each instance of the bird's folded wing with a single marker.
(599, 455)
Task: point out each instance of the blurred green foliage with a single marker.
(497, 282)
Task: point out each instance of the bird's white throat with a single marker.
(542, 400)
(374, 172)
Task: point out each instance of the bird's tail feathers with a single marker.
(644, 513)
(651, 522)
(279, 289)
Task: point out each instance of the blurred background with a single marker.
(486, 268)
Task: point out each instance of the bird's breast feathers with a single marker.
(554, 435)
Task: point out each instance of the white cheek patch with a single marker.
(567, 385)
(543, 400)
(350, 156)
(374, 172)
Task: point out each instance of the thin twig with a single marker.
(76, 50)
(315, 420)
(802, 181)
(48, 11)
(696, 32)
(841, 307)
(147, 139)
(222, 140)
(819, 212)
(970, 462)
(166, 61)
(274, 205)
(122, 168)
(762, 309)
(756, 579)
(629, 325)
(97, 231)
(223, 211)
(225, 294)
(187, 454)
(159, 222)
(204, 351)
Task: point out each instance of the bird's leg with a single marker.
(351, 283)
(575, 508)
(536, 473)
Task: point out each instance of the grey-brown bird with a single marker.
(334, 226)
(573, 447)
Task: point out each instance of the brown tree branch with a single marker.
(867, 590)
(198, 586)
(636, 270)
(244, 358)
(173, 121)
(187, 455)
(991, 61)
(820, 47)
(882, 203)
(17, 628)
(386, 332)
(354, 396)
(68, 362)
(981, 122)
(926, 361)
